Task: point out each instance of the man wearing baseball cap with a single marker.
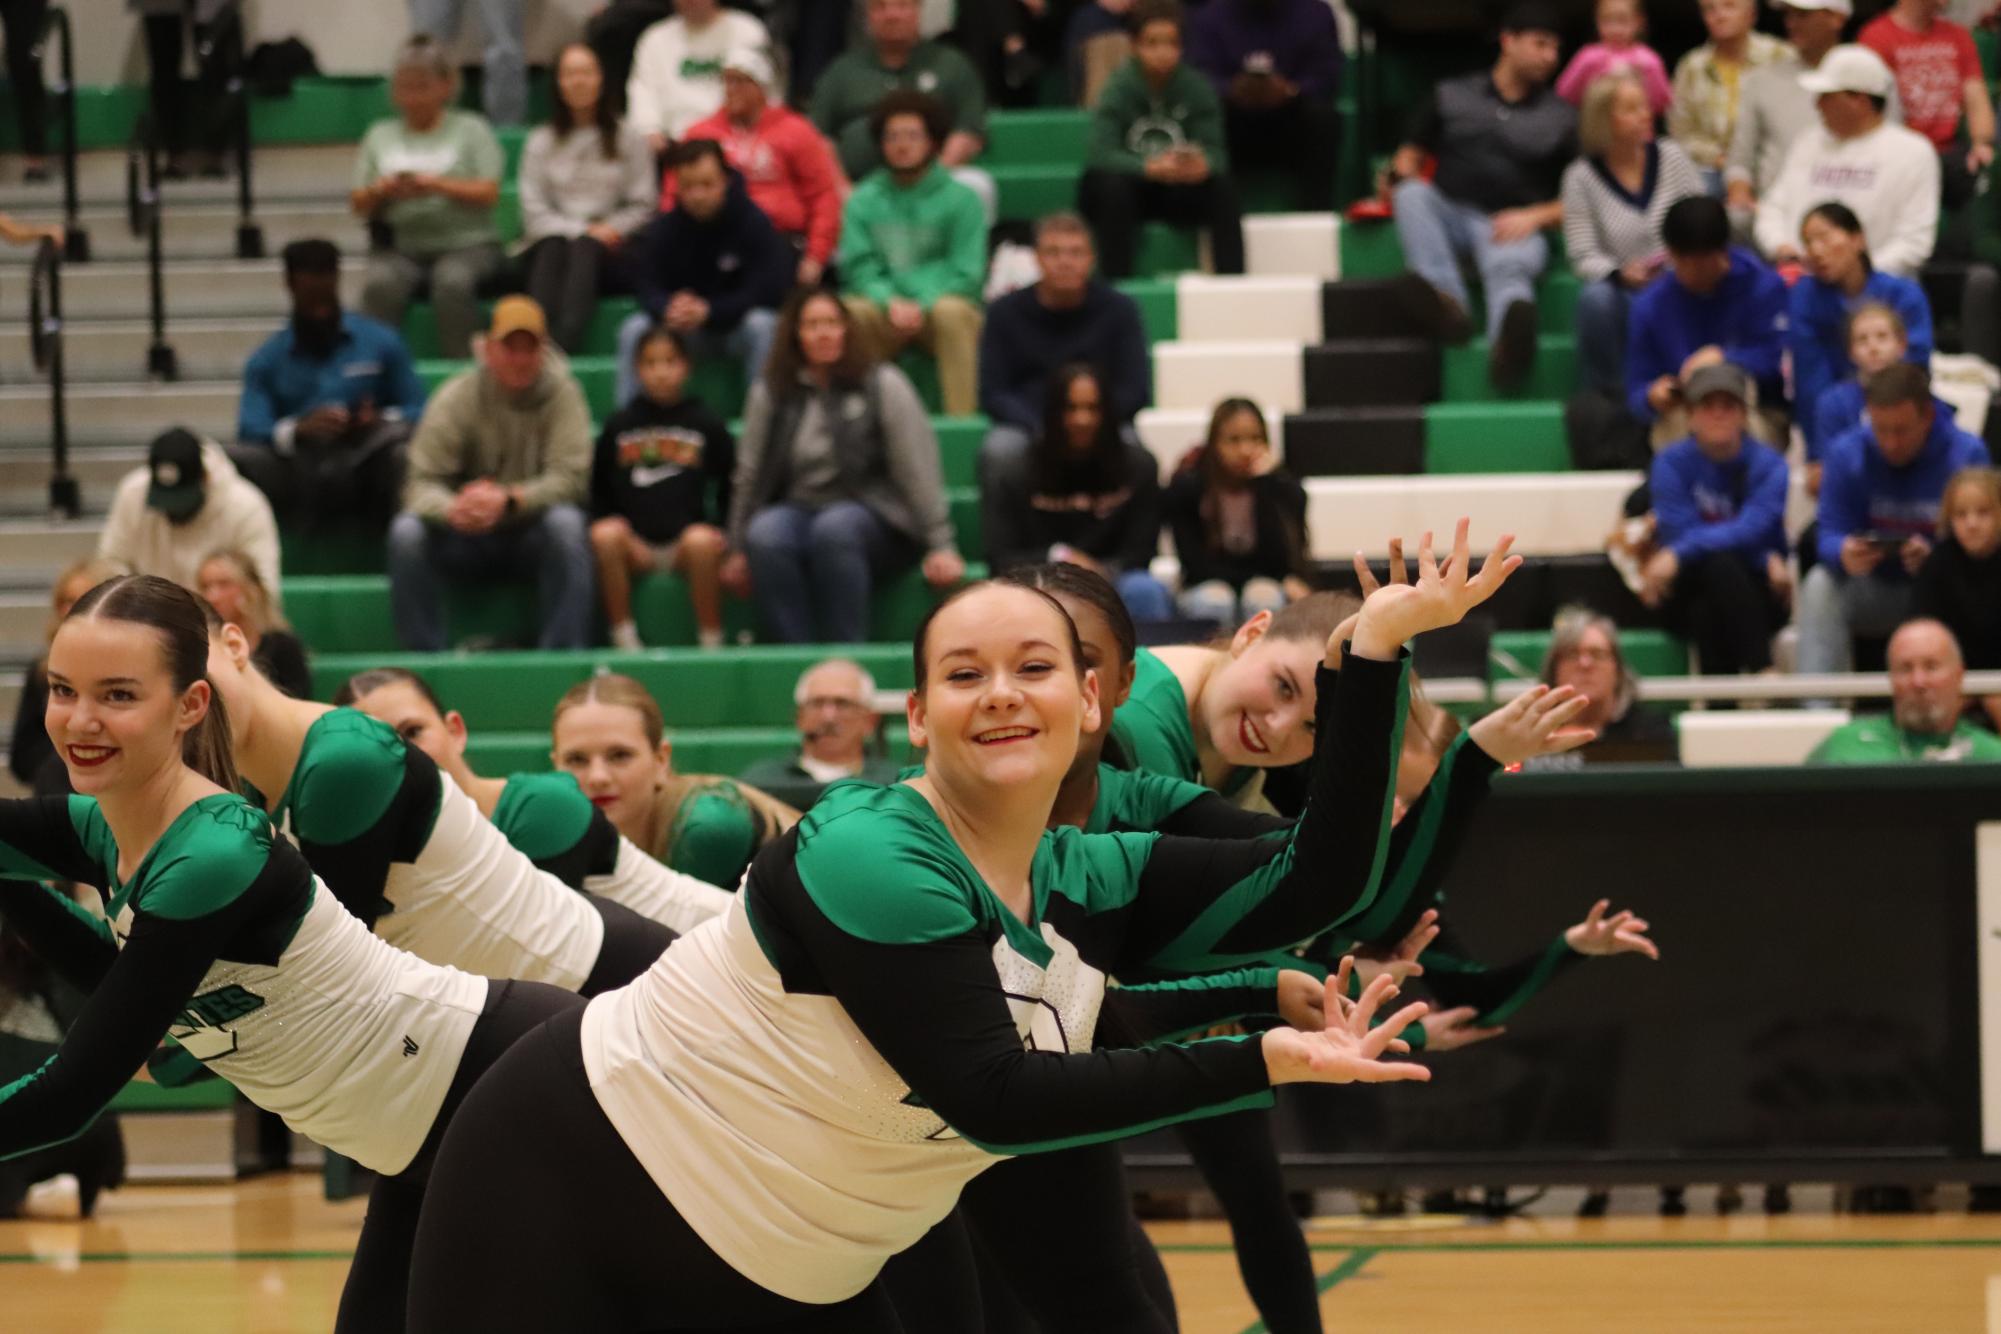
(786, 165)
(499, 469)
(186, 504)
(1719, 507)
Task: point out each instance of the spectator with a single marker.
(498, 471)
(609, 733)
(171, 28)
(1502, 139)
(31, 756)
(660, 492)
(1886, 174)
(1960, 581)
(1708, 83)
(714, 270)
(1096, 42)
(677, 68)
(328, 403)
(1774, 107)
(186, 502)
(1615, 199)
(1065, 316)
(896, 58)
(1877, 339)
(837, 481)
(613, 33)
(1239, 522)
(1880, 497)
(504, 71)
(787, 167)
(431, 176)
(21, 21)
(1839, 281)
(1621, 46)
(1943, 88)
(1927, 696)
(1718, 303)
(914, 252)
(1720, 508)
(1276, 64)
(1011, 43)
(834, 710)
(1088, 496)
(230, 582)
(586, 184)
(1585, 654)
(1158, 150)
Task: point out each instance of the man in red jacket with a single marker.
(789, 168)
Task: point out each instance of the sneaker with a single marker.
(58, 1197)
(1512, 356)
(1729, 1200)
(709, 638)
(1595, 1204)
(1778, 1199)
(1674, 1202)
(1441, 319)
(625, 635)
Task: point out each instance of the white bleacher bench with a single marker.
(1748, 738)
(1199, 374)
(1211, 309)
(1550, 514)
(1305, 245)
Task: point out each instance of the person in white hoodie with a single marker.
(188, 502)
(677, 68)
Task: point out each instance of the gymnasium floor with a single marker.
(269, 1255)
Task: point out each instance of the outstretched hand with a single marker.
(1348, 1050)
(1397, 612)
(1621, 933)
(1533, 724)
(1302, 1000)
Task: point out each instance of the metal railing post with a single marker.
(76, 240)
(45, 342)
(142, 207)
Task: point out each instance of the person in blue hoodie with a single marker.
(714, 269)
(1718, 303)
(1880, 492)
(1719, 508)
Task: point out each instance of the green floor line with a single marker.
(1747, 1244)
(1356, 1260)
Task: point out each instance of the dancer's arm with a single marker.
(672, 898)
(358, 806)
(1152, 1012)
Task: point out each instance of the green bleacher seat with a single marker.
(1027, 193)
(1648, 652)
(1553, 376)
(1165, 250)
(1495, 437)
(1159, 310)
(1016, 138)
(208, 1095)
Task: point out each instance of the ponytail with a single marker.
(209, 749)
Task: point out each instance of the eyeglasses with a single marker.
(1588, 653)
(835, 702)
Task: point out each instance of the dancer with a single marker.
(545, 815)
(409, 853)
(905, 991)
(215, 935)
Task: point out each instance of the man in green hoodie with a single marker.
(499, 469)
(914, 251)
(1157, 151)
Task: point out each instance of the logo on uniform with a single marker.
(409, 1047)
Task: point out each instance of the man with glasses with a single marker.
(834, 710)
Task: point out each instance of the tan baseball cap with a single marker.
(518, 314)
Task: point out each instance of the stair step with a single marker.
(110, 351)
(130, 413)
(277, 174)
(1384, 372)
(1355, 441)
(208, 231)
(195, 290)
(1365, 308)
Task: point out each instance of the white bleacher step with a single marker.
(1748, 738)
(120, 413)
(24, 617)
(34, 551)
(278, 173)
(1169, 433)
(101, 351)
(1210, 308)
(24, 475)
(1198, 374)
(208, 231)
(1303, 245)
(195, 290)
(1550, 514)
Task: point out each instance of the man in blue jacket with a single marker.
(1717, 303)
(1719, 510)
(714, 270)
(1880, 490)
(328, 403)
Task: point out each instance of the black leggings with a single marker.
(541, 1220)
(631, 944)
(23, 21)
(566, 275)
(1237, 1155)
(377, 1288)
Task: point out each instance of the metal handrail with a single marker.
(45, 342)
(142, 214)
(225, 40)
(55, 23)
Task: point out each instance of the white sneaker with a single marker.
(709, 638)
(625, 635)
(58, 1197)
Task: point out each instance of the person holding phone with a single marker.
(1277, 66)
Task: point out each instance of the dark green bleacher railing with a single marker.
(55, 24)
(45, 345)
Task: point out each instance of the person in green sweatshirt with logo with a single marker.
(1927, 696)
(1157, 151)
(914, 251)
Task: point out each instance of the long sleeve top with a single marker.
(1817, 332)
(1024, 518)
(1889, 176)
(1745, 316)
(1703, 506)
(1860, 492)
(1706, 99)
(1279, 546)
(1606, 226)
(569, 184)
(919, 242)
(789, 169)
(736, 261)
(1133, 120)
(369, 364)
(677, 71)
(1964, 591)
(1296, 39)
(234, 516)
(1024, 341)
(1594, 61)
(539, 439)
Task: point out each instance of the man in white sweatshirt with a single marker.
(677, 68)
(1888, 174)
(186, 504)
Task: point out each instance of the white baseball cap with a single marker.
(1850, 69)
(751, 63)
(1838, 6)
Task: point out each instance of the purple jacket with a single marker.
(1298, 35)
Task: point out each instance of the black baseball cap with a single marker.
(1532, 16)
(174, 459)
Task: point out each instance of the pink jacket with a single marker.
(1598, 59)
(788, 169)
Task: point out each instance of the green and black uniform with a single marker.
(223, 943)
(411, 856)
(810, 1080)
(709, 827)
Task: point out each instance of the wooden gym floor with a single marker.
(269, 1255)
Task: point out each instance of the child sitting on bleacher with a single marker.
(1238, 521)
(1622, 29)
(660, 488)
(1877, 337)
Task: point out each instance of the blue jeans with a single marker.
(1602, 308)
(829, 558)
(553, 548)
(749, 341)
(1836, 607)
(1436, 232)
(1145, 596)
(1214, 600)
(504, 81)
